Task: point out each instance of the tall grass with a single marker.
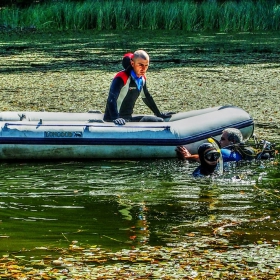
(189, 17)
(130, 14)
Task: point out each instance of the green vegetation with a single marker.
(245, 15)
(71, 71)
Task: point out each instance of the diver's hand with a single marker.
(119, 121)
(183, 153)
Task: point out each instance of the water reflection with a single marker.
(117, 204)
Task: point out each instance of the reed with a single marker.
(154, 15)
(189, 17)
(10, 17)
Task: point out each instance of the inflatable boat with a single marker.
(59, 135)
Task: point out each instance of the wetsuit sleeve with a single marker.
(114, 92)
(229, 155)
(196, 173)
(149, 101)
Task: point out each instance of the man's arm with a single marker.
(114, 92)
(183, 153)
(149, 101)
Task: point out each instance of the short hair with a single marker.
(234, 135)
(141, 54)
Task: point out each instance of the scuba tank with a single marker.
(260, 150)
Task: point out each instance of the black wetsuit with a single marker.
(123, 95)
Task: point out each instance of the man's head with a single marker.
(140, 62)
(208, 154)
(231, 136)
(209, 157)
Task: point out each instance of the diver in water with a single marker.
(209, 158)
(230, 138)
(233, 148)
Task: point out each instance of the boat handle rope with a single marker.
(83, 125)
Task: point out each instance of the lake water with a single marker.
(125, 204)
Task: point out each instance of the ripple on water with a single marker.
(120, 199)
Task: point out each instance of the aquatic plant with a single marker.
(152, 15)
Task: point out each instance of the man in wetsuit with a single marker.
(126, 87)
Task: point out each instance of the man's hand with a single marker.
(119, 121)
(165, 115)
(183, 153)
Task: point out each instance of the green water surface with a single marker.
(125, 204)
